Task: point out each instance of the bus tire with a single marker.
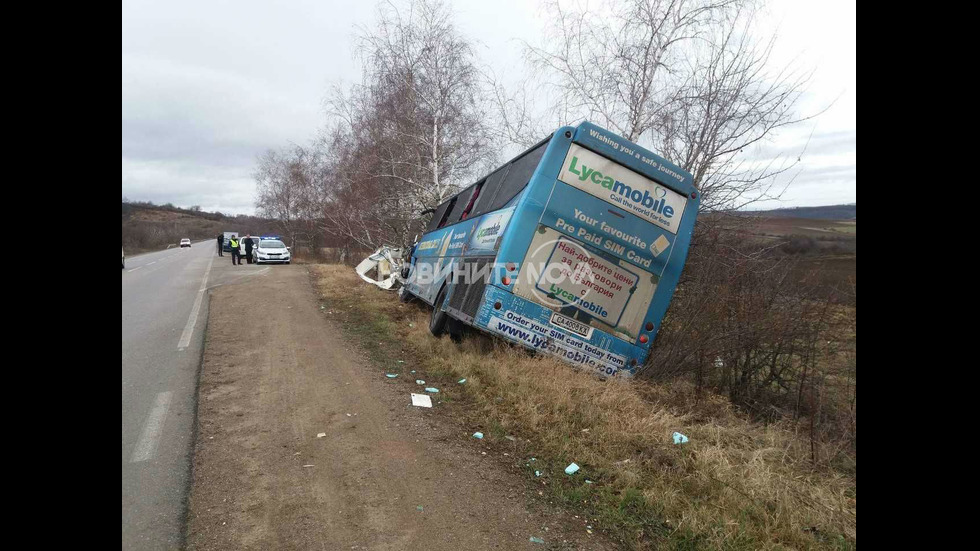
(437, 324)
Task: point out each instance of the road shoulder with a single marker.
(385, 475)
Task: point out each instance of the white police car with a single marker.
(271, 250)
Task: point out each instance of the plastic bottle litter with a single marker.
(461, 381)
(536, 540)
(419, 382)
(571, 469)
(321, 434)
(537, 473)
(391, 375)
(478, 435)
(679, 438)
(430, 389)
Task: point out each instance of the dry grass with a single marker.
(735, 485)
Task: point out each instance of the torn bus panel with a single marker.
(388, 263)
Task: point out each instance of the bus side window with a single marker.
(439, 216)
(488, 190)
(472, 201)
(460, 202)
(445, 214)
(509, 180)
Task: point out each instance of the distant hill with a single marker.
(149, 227)
(829, 212)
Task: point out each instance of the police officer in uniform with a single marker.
(248, 248)
(236, 253)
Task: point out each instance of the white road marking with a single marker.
(185, 337)
(146, 447)
(133, 270)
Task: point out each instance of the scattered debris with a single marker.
(304, 466)
(348, 415)
(419, 508)
(391, 375)
(419, 382)
(536, 540)
(478, 435)
(461, 381)
(432, 390)
(571, 469)
(537, 473)
(413, 371)
(587, 481)
(585, 430)
(421, 400)
(321, 434)
(679, 438)
(401, 361)
(511, 438)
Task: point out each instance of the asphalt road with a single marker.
(164, 313)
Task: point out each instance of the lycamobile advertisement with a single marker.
(535, 327)
(597, 287)
(609, 181)
(488, 231)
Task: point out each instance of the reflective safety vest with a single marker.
(234, 243)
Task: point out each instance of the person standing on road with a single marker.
(248, 248)
(236, 254)
(221, 241)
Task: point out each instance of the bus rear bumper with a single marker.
(529, 324)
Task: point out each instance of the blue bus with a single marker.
(572, 248)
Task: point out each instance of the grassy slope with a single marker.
(735, 485)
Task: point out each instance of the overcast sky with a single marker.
(207, 86)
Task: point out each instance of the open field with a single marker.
(735, 485)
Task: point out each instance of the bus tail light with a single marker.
(511, 266)
(643, 339)
(649, 326)
(505, 281)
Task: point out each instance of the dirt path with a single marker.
(386, 475)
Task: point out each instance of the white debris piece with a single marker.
(388, 261)
(421, 400)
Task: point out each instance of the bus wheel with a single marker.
(437, 324)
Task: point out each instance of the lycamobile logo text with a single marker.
(488, 231)
(656, 204)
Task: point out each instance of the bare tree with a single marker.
(685, 77)
(410, 134)
(420, 74)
